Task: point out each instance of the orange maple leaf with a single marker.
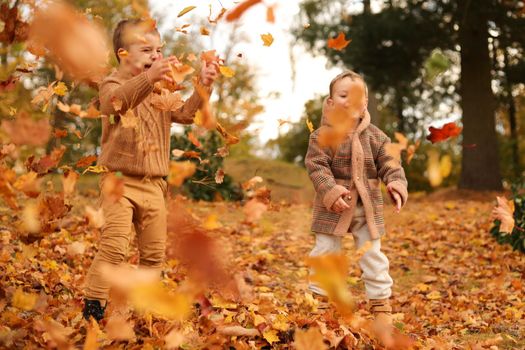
(338, 43)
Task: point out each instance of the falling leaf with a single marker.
(95, 217)
(209, 56)
(504, 212)
(222, 152)
(239, 10)
(447, 131)
(116, 103)
(194, 140)
(29, 184)
(270, 16)
(60, 133)
(60, 89)
(76, 248)
(330, 273)
(86, 161)
(204, 31)
(267, 39)
(227, 71)
(117, 328)
(174, 339)
(9, 84)
(253, 210)
(310, 125)
(69, 181)
(338, 43)
(30, 218)
(129, 120)
(186, 10)
(97, 169)
(112, 187)
(219, 176)
(180, 171)
(167, 101)
(438, 168)
(26, 131)
(310, 339)
(179, 72)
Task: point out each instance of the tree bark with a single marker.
(480, 162)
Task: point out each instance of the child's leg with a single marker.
(152, 224)
(324, 244)
(373, 263)
(112, 248)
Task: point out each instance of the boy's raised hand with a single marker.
(160, 69)
(209, 72)
(340, 204)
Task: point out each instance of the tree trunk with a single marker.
(512, 115)
(480, 162)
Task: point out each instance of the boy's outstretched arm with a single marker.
(392, 174)
(318, 161)
(186, 114)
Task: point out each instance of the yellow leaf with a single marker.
(504, 212)
(271, 336)
(211, 222)
(186, 10)
(198, 118)
(281, 323)
(60, 89)
(267, 39)
(227, 71)
(258, 319)
(445, 166)
(311, 339)
(24, 301)
(310, 125)
(155, 298)
(434, 295)
(421, 287)
(180, 171)
(330, 273)
(97, 169)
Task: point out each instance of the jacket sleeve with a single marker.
(390, 170)
(318, 162)
(130, 93)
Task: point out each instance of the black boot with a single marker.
(92, 308)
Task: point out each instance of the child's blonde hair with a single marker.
(119, 35)
(348, 74)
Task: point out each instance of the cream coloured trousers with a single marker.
(374, 264)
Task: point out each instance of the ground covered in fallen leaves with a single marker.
(455, 287)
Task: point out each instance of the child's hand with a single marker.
(340, 205)
(395, 197)
(160, 70)
(209, 73)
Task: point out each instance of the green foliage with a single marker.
(293, 145)
(517, 237)
(202, 185)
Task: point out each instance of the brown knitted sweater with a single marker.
(136, 138)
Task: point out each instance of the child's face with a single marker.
(142, 52)
(350, 95)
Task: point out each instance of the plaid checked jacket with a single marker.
(359, 164)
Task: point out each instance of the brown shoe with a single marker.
(382, 312)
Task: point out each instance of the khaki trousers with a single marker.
(142, 205)
(374, 264)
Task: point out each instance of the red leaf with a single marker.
(448, 130)
(86, 161)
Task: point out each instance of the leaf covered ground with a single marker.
(455, 287)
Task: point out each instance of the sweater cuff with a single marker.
(332, 195)
(401, 189)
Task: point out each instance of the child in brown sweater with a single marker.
(136, 142)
